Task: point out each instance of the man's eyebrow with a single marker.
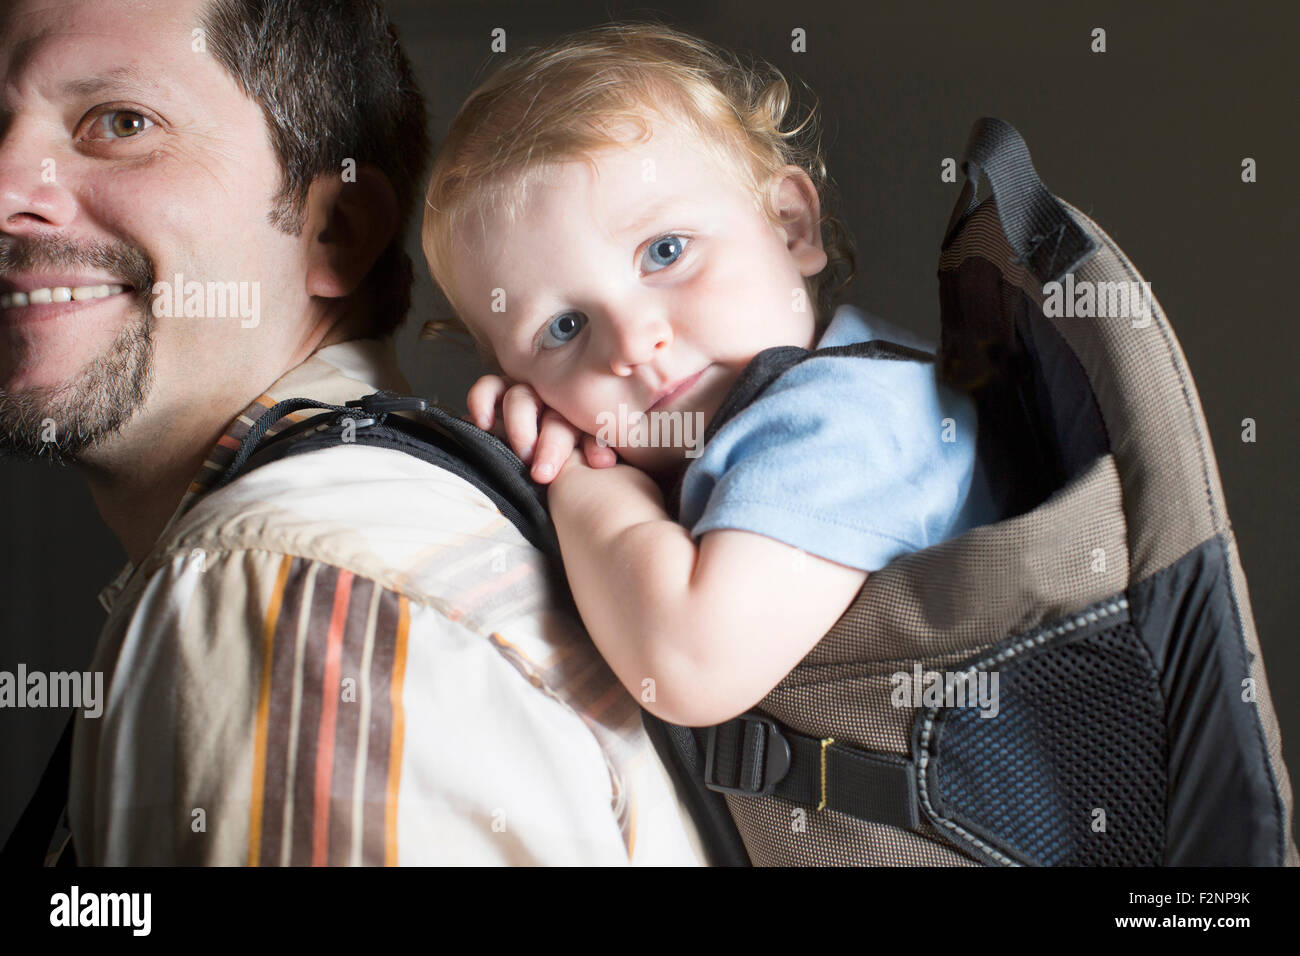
(120, 76)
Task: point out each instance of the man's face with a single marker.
(127, 156)
(649, 282)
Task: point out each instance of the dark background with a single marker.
(1147, 139)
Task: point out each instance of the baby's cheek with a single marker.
(585, 415)
(744, 280)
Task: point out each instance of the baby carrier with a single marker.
(1130, 720)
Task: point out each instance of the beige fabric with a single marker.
(992, 582)
(777, 833)
(1145, 394)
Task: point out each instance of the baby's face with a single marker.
(648, 283)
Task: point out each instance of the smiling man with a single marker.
(346, 656)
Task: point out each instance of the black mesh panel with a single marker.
(1079, 729)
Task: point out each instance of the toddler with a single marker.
(622, 223)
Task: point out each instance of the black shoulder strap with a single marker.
(435, 436)
(1037, 226)
(680, 750)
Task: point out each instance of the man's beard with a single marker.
(59, 422)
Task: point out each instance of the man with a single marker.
(346, 656)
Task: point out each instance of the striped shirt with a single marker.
(350, 656)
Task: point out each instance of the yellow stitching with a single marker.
(825, 743)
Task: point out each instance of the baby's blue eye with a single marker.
(663, 252)
(563, 328)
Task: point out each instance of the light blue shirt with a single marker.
(850, 459)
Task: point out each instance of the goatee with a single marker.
(59, 422)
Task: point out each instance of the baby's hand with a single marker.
(539, 435)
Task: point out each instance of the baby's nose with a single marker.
(639, 344)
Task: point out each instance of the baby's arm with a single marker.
(715, 626)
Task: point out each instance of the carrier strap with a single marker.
(754, 755)
(1044, 236)
(438, 437)
(681, 753)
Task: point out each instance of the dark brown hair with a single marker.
(333, 84)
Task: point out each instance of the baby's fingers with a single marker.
(598, 455)
(483, 398)
(521, 409)
(555, 443)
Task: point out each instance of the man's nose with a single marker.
(637, 338)
(32, 195)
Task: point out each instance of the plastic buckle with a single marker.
(761, 746)
(381, 402)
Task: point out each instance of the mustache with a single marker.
(48, 253)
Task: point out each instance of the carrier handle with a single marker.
(1044, 236)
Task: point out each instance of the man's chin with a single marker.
(60, 423)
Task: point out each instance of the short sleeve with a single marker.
(854, 460)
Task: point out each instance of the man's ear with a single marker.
(348, 225)
(793, 198)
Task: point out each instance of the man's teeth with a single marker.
(58, 293)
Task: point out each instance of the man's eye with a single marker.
(662, 253)
(562, 329)
(119, 124)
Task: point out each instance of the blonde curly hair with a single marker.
(561, 101)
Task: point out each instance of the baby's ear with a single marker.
(793, 198)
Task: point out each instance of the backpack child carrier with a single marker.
(1133, 723)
